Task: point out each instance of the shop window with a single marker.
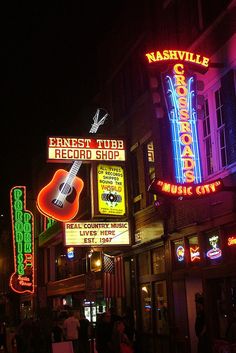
(158, 260)
(96, 261)
(62, 268)
(178, 253)
(161, 308)
(213, 247)
(146, 307)
(144, 263)
(194, 250)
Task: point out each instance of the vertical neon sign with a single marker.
(180, 253)
(22, 280)
(181, 104)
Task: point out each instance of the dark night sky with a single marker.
(45, 73)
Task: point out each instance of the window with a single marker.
(207, 138)
(143, 262)
(215, 144)
(220, 128)
(194, 250)
(146, 307)
(178, 253)
(158, 260)
(161, 308)
(213, 247)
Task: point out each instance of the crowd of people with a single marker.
(112, 333)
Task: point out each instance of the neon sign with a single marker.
(59, 199)
(70, 252)
(232, 241)
(186, 191)
(180, 253)
(194, 253)
(215, 252)
(180, 95)
(48, 223)
(177, 55)
(181, 104)
(22, 280)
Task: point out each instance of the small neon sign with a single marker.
(180, 253)
(48, 223)
(22, 280)
(70, 252)
(215, 252)
(232, 241)
(194, 253)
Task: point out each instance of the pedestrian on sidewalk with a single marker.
(84, 334)
(71, 328)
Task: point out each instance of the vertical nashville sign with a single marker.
(179, 87)
(22, 280)
(180, 97)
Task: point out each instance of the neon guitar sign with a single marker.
(60, 198)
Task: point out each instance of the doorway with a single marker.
(221, 300)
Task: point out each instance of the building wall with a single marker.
(208, 29)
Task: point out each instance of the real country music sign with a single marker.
(67, 149)
(96, 233)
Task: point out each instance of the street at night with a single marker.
(118, 177)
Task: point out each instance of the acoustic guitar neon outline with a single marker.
(59, 199)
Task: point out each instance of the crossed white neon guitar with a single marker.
(59, 199)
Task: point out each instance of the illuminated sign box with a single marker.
(111, 190)
(96, 233)
(67, 149)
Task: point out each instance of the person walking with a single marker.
(84, 334)
(231, 329)
(103, 333)
(200, 326)
(120, 343)
(57, 331)
(71, 328)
